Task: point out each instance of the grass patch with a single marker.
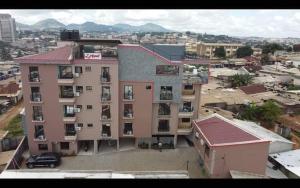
(14, 127)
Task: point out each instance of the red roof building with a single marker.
(253, 89)
(223, 146)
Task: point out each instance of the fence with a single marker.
(16, 160)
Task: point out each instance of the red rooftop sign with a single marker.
(92, 55)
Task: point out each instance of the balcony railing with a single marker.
(36, 97)
(37, 117)
(70, 133)
(188, 91)
(166, 96)
(105, 116)
(106, 134)
(128, 133)
(184, 125)
(186, 109)
(34, 77)
(66, 76)
(69, 114)
(105, 78)
(106, 97)
(67, 94)
(40, 137)
(128, 114)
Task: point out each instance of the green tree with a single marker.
(220, 52)
(19, 53)
(264, 59)
(238, 80)
(289, 49)
(244, 51)
(251, 112)
(270, 112)
(271, 48)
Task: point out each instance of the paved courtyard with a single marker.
(138, 160)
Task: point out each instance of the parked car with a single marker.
(46, 159)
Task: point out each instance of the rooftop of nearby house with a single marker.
(10, 88)
(253, 89)
(221, 131)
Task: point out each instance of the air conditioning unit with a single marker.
(77, 128)
(77, 110)
(77, 94)
(104, 135)
(76, 75)
(37, 99)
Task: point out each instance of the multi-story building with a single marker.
(7, 28)
(208, 49)
(76, 101)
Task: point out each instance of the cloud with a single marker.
(265, 23)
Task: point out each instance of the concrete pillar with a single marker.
(118, 144)
(95, 146)
(136, 142)
(175, 141)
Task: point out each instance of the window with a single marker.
(128, 110)
(90, 125)
(128, 93)
(79, 89)
(163, 126)
(37, 113)
(39, 132)
(35, 94)
(79, 124)
(70, 129)
(128, 129)
(88, 69)
(188, 86)
(186, 107)
(43, 147)
(105, 77)
(166, 93)
(167, 70)
(105, 93)
(79, 106)
(78, 69)
(33, 74)
(66, 92)
(65, 72)
(148, 87)
(185, 120)
(106, 130)
(69, 111)
(206, 150)
(105, 112)
(164, 109)
(89, 88)
(64, 145)
(89, 107)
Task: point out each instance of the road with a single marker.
(10, 114)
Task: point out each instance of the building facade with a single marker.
(7, 28)
(208, 49)
(77, 100)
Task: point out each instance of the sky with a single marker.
(244, 23)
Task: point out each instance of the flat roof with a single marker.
(260, 131)
(288, 159)
(219, 130)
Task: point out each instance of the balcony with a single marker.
(128, 115)
(166, 96)
(70, 135)
(186, 111)
(39, 137)
(128, 133)
(38, 118)
(66, 78)
(184, 128)
(188, 92)
(35, 98)
(106, 97)
(69, 118)
(34, 77)
(128, 96)
(67, 97)
(105, 78)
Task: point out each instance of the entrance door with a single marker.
(55, 147)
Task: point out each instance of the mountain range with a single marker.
(91, 26)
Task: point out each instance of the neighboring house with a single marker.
(288, 162)
(208, 49)
(253, 89)
(277, 144)
(125, 94)
(223, 147)
(11, 92)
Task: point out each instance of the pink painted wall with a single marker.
(243, 157)
(142, 108)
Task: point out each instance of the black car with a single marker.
(46, 159)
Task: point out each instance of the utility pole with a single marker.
(187, 165)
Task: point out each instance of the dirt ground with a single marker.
(11, 113)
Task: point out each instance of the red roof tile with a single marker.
(59, 54)
(253, 89)
(11, 88)
(218, 131)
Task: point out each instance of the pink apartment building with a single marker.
(97, 94)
